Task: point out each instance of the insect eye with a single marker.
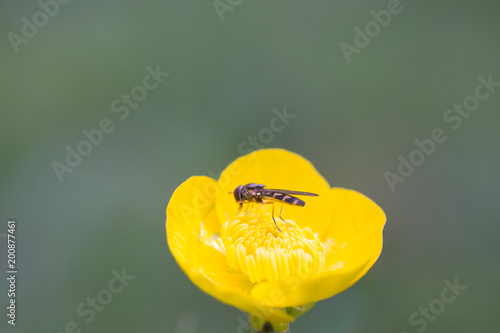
(237, 192)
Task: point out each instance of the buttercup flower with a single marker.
(242, 259)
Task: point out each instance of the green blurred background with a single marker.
(352, 121)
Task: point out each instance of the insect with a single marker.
(253, 192)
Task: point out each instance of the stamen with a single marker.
(255, 247)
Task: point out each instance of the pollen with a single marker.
(255, 247)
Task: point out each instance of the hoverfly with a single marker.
(253, 192)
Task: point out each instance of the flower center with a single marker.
(255, 247)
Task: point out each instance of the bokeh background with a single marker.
(226, 75)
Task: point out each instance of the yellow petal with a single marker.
(278, 169)
(295, 292)
(190, 209)
(355, 231)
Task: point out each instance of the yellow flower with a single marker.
(242, 259)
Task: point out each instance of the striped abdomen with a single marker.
(284, 197)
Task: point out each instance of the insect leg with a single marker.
(239, 210)
(281, 211)
(248, 207)
(276, 224)
(272, 214)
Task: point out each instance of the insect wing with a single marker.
(292, 192)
